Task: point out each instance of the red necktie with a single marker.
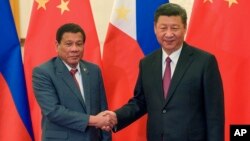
(73, 72)
(167, 77)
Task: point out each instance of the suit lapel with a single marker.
(64, 74)
(86, 87)
(183, 63)
(157, 71)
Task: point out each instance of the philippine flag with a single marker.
(130, 37)
(15, 123)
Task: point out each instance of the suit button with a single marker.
(164, 111)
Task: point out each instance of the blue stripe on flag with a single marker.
(145, 24)
(11, 63)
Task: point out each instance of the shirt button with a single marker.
(164, 111)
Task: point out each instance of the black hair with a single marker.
(69, 27)
(171, 9)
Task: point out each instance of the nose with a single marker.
(168, 33)
(74, 47)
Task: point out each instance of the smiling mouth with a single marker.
(169, 41)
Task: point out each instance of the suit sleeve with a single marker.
(46, 95)
(214, 101)
(135, 108)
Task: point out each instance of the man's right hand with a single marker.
(105, 120)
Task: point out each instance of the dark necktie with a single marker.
(73, 72)
(167, 77)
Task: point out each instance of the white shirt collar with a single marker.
(173, 56)
(69, 68)
(174, 59)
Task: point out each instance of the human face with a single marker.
(170, 32)
(70, 49)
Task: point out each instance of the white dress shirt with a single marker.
(174, 59)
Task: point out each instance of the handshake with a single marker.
(105, 120)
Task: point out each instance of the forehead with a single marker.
(72, 36)
(170, 19)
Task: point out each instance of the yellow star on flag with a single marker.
(211, 1)
(63, 6)
(41, 4)
(122, 12)
(230, 2)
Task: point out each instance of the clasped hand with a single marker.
(105, 120)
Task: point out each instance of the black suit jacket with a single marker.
(194, 108)
(65, 114)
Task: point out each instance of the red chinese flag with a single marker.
(46, 17)
(222, 28)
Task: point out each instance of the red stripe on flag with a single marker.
(121, 56)
(120, 69)
(11, 125)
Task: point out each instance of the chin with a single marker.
(73, 63)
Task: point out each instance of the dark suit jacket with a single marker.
(65, 115)
(194, 108)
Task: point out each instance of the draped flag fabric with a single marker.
(222, 27)
(46, 17)
(130, 37)
(15, 122)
